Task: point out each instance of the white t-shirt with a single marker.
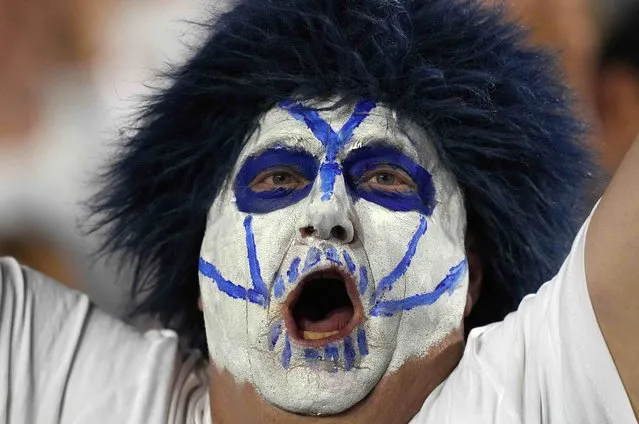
(63, 361)
(545, 363)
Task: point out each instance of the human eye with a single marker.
(388, 178)
(278, 178)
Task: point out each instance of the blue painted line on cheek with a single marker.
(350, 265)
(331, 352)
(349, 353)
(363, 279)
(225, 286)
(332, 255)
(328, 174)
(256, 297)
(391, 307)
(286, 354)
(387, 282)
(293, 271)
(254, 264)
(274, 335)
(313, 257)
(278, 287)
(362, 343)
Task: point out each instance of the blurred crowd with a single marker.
(73, 72)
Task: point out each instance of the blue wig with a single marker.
(499, 118)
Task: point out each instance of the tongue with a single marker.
(333, 321)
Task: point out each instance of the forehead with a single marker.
(278, 127)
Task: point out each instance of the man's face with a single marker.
(333, 254)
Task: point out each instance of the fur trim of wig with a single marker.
(496, 112)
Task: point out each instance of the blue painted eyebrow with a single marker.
(251, 201)
(368, 158)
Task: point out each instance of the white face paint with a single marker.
(318, 282)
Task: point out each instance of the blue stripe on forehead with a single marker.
(332, 141)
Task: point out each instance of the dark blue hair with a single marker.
(498, 116)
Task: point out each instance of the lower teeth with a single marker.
(312, 335)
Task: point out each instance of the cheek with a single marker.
(225, 240)
(231, 324)
(274, 233)
(385, 235)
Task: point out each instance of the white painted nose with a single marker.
(328, 218)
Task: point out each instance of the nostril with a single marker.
(307, 231)
(338, 232)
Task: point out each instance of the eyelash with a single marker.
(290, 172)
(404, 182)
(401, 175)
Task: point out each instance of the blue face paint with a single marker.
(362, 109)
(363, 279)
(254, 264)
(286, 354)
(251, 201)
(349, 353)
(328, 173)
(278, 287)
(333, 142)
(331, 352)
(259, 293)
(362, 343)
(387, 282)
(350, 265)
(293, 271)
(225, 286)
(312, 355)
(313, 257)
(391, 307)
(332, 255)
(320, 128)
(274, 335)
(366, 159)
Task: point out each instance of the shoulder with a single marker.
(37, 311)
(69, 359)
(547, 362)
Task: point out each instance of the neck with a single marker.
(396, 399)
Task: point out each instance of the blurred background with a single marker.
(72, 73)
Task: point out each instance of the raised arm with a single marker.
(612, 270)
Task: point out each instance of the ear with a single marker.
(475, 276)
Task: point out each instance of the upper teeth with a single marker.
(313, 335)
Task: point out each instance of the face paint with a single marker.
(334, 253)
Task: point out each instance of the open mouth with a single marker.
(323, 308)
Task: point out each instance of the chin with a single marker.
(317, 392)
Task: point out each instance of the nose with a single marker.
(328, 218)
